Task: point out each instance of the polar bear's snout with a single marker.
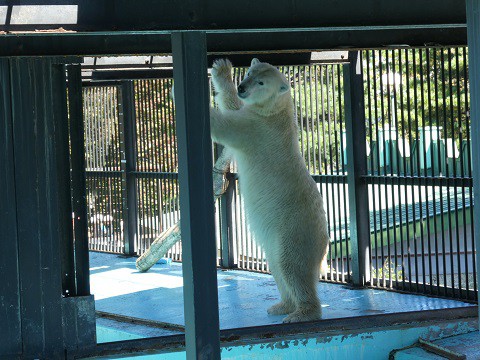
(241, 91)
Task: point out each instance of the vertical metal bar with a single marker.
(341, 168)
(344, 182)
(403, 166)
(139, 114)
(243, 232)
(162, 88)
(356, 168)
(440, 168)
(457, 223)
(469, 173)
(461, 109)
(432, 171)
(400, 170)
(454, 171)
(63, 167)
(10, 316)
(318, 166)
(331, 151)
(387, 220)
(156, 161)
(424, 157)
(299, 90)
(143, 164)
(473, 32)
(414, 171)
(238, 234)
(150, 168)
(127, 124)
(195, 176)
(79, 196)
(446, 174)
(313, 114)
(391, 223)
(371, 74)
(325, 192)
(377, 70)
(226, 229)
(410, 166)
(307, 119)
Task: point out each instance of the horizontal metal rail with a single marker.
(103, 173)
(418, 180)
(223, 42)
(155, 175)
(446, 291)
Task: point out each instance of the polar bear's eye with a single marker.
(260, 83)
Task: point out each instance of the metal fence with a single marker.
(419, 169)
(103, 172)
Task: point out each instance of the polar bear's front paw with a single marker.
(281, 308)
(221, 73)
(222, 67)
(304, 314)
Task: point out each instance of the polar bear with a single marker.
(284, 207)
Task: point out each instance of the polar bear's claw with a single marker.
(281, 308)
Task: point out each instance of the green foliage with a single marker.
(412, 88)
(318, 98)
(388, 271)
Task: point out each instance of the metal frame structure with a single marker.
(473, 22)
(40, 322)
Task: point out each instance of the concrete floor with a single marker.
(243, 296)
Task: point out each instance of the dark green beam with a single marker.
(127, 15)
(240, 41)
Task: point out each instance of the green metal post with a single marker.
(473, 28)
(10, 318)
(196, 194)
(79, 196)
(226, 228)
(357, 168)
(127, 126)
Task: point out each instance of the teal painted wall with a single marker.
(375, 345)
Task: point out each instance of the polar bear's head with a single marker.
(263, 83)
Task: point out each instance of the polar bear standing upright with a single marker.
(284, 207)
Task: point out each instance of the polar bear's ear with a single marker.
(255, 61)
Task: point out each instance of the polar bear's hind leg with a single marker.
(301, 283)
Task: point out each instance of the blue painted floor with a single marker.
(243, 296)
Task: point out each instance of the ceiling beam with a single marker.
(233, 41)
(128, 15)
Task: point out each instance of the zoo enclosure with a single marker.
(418, 169)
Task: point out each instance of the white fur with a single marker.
(284, 207)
